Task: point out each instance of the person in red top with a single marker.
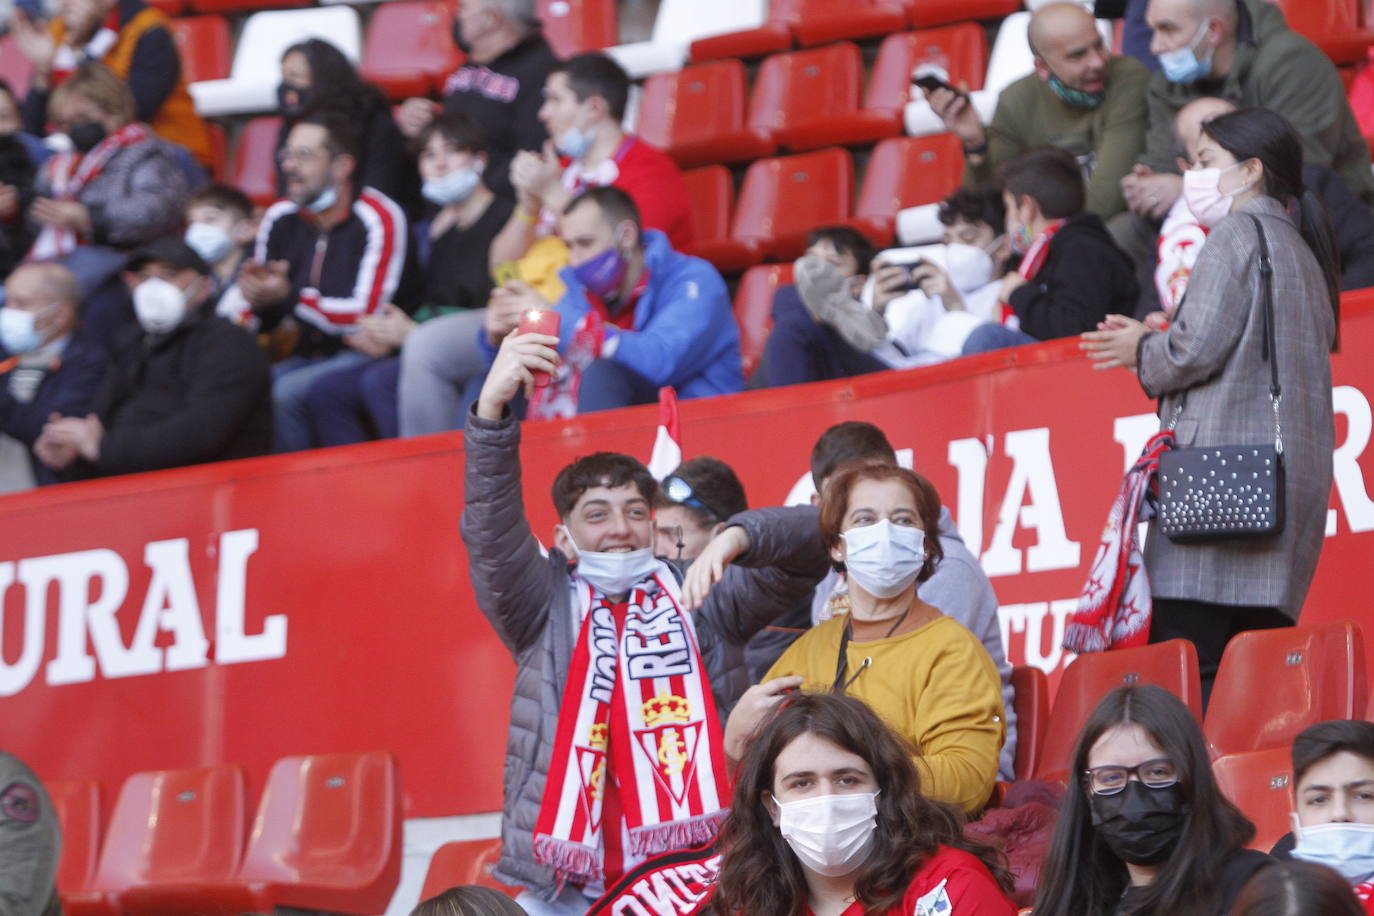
(584, 105)
(828, 819)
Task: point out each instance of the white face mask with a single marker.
(613, 573)
(883, 558)
(454, 187)
(159, 304)
(326, 199)
(210, 242)
(1347, 848)
(830, 834)
(968, 266)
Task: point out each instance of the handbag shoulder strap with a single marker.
(1270, 330)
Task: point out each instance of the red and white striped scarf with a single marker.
(638, 763)
(68, 173)
(1115, 607)
(1031, 262)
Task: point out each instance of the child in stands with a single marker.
(220, 228)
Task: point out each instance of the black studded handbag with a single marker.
(1222, 492)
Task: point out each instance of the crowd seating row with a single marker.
(326, 836)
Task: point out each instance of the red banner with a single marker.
(318, 602)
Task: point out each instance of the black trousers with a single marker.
(1209, 627)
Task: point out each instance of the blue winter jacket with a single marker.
(684, 329)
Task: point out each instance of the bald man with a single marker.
(48, 363)
(1244, 51)
(1080, 98)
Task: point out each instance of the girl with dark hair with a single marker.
(828, 819)
(1211, 372)
(317, 77)
(1296, 889)
(927, 676)
(468, 900)
(1143, 829)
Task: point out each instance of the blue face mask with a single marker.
(1346, 848)
(328, 198)
(453, 188)
(603, 274)
(18, 334)
(575, 142)
(1182, 65)
(1075, 98)
(210, 242)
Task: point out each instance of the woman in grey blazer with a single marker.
(1211, 362)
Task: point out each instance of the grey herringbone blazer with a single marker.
(1214, 352)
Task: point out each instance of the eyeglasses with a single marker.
(681, 492)
(1159, 773)
(299, 155)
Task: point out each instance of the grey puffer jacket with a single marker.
(527, 599)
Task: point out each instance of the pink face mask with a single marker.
(1204, 197)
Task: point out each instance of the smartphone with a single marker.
(911, 281)
(539, 321)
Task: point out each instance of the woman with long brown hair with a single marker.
(828, 819)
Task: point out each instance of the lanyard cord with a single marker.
(842, 663)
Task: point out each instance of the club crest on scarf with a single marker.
(669, 739)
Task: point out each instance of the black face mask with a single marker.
(292, 110)
(86, 135)
(1140, 824)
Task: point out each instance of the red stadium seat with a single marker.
(821, 21)
(696, 115)
(219, 150)
(1259, 784)
(409, 47)
(1304, 674)
(906, 172)
(464, 862)
(241, 6)
(962, 50)
(77, 804)
(712, 192)
(784, 198)
(773, 36)
(754, 309)
(574, 26)
(941, 12)
(203, 43)
(1171, 665)
(1335, 26)
(171, 8)
(168, 826)
(15, 68)
(1032, 705)
(254, 171)
(809, 99)
(327, 837)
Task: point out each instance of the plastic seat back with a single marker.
(906, 172)
(575, 26)
(711, 191)
(77, 804)
(1032, 705)
(785, 197)
(1305, 674)
(1335, 26)
(409, 47)
(754, 308)
(464, 862)
(1259, 783)
(254, 169)
(174, 826)
(1090, 677)
(822, 21)
(938, 12)
(682, 113)
(203, 44)
(806, 86)
(327, 834)
(961, 50)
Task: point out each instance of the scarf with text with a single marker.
(1031, 262)
(679, 882)
(68, 173)
(1114, 609)
(638, 764)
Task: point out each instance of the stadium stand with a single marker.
(1339, 27)
(753, 308)
(77, 805)
(203, 42)
(254, 169)
(409, 49)
(574, 27)
(785, 197)
(810, 99)
(1260, 784)
(464, 862)
(1032, 701)
(677, 25)
(712, 192)
(905, 172)
(697, 115)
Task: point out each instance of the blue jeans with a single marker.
(801, 350)
(291, 381)
(355, 404)
(606, 385)
(988, 337)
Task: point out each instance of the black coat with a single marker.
(68, 387)
(1352, 225)
(1084, 279)
(199, 393)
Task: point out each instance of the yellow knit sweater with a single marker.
(935, 686)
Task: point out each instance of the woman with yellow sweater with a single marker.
(923, 673)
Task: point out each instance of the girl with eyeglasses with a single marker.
(1144, 830)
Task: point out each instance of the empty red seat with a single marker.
(203, 43)
(712, 192)
(168, 826)
(809, 99)
(254, 170)
(773, 36)
(754, 309)
(574, 26)
(77, 805)
(1032, 705)
(906, 172)
(820, 21)
(409, 48)
(784, 198)
(1259, 784)
(1090, 677)
(170, 7)
(464, 862)
(1304, 675)
(940, 12)
(1335, 26)
(696, 115)
(15, 68)
(327, 836)
(961, 50)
